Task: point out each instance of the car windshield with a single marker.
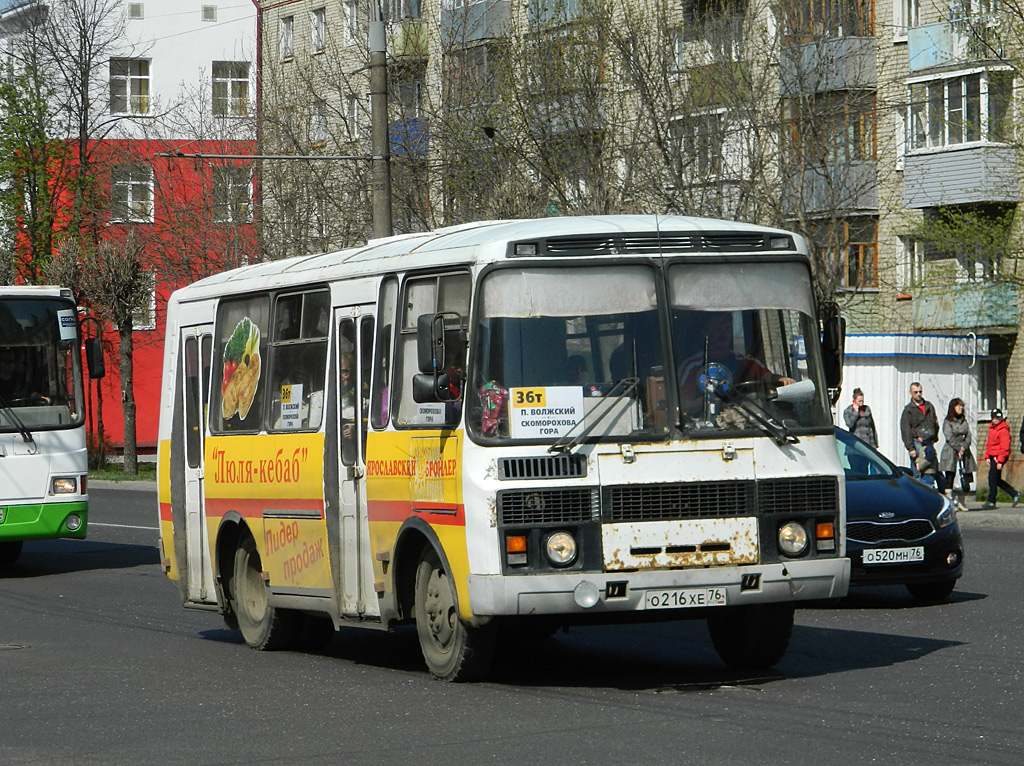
(859, 461)
(40, 367)
(738, 338)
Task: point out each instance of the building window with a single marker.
(352, 116)
(208, 13)
(230, 88)
(129, 86)
(827, 19)
(910, 263)
(136, 11)
(287, 37)
(131, 194)
(837, 126)
(318, 29)
(351, 23)
(318, 123)
(232, 194)
(960, 109)
(543, 12)
(906, 14)
(849, 250)
(405, 9)
(700, 139)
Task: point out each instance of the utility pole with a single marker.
(381, 150)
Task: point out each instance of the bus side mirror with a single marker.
(426, 387)
(94, 358)
(833, 342)
(429, 342)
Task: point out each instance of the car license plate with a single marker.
(893, 555)
(684, 598)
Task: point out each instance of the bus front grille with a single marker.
(667, 502)
(900, 531)
(812, 494)
(517, 507)
(543, 467)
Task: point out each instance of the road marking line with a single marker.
(121, 526)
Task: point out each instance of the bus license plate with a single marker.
(893, 555)
(684, 598)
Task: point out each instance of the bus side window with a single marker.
(347, 400)
(365, 366)
(379, 412)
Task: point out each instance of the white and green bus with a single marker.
(43, 463)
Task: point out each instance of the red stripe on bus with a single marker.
(452, 514)
(254, 508)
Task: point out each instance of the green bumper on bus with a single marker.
(44, 521)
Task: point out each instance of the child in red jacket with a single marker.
(997, 452)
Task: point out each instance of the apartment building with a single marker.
(882, 129)
(166, 120)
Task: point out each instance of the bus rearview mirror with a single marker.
(94, 358)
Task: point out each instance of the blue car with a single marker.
(898, 531)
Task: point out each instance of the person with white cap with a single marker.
(997, 452)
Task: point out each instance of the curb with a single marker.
(145, 486)
(1003, 516)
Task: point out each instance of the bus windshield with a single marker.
(40, 364)
(558, 352)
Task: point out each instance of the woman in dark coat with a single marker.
(956, 452)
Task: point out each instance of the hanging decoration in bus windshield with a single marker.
(241, 369)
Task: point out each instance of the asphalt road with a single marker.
(100, 665)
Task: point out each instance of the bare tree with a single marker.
(121, 284)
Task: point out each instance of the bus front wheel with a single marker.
(751, 637)
(263, 626)
(452, 650)
(9, 553)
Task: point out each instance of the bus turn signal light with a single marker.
(825, 535)
(515, 550)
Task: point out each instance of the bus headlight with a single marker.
(792, 539)
(561, 549)
(64, 485)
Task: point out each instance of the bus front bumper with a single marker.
(44, 521)
(580, 593)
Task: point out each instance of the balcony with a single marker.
(840, 63)
(970, 306)
(409, 39)
(958, 41)
(836, 188)
(962, 175)
(473, 21)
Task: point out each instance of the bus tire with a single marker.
(452, 650)
(10, 552)
(264, 627)
(751, 637)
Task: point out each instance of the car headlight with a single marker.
(561, 549)
(792, 538)
(947, 515)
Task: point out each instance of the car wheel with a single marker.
(932, 592)
(751, 637)
(9, 553)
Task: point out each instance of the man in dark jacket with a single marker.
(919, 429)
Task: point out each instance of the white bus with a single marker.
(43, 463)
(506, 426)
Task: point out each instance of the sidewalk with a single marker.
(1003, 515)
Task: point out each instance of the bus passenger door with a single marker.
(355, 354)
(197, 343)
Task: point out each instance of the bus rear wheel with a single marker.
(10, 552)
(263, 626)
(751, 637)
(452, 650)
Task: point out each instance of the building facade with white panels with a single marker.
(884, 366)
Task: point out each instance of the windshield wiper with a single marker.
(565, 445)
(769, 425)
(26, 435)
